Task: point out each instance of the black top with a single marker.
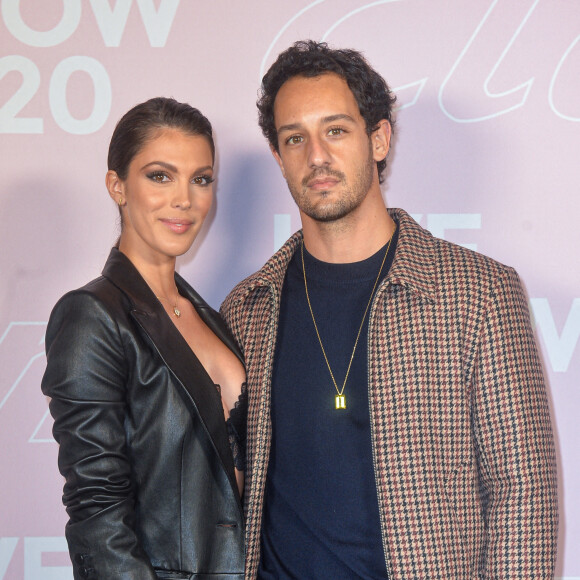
(321, 517)
(237, 424)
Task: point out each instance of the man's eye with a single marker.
(294, 140)
(336, 131)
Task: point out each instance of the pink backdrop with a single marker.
(486, 155)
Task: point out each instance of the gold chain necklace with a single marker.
(340, 399)
(176, 310)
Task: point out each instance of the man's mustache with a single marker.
(317, 173)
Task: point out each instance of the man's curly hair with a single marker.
(308, 58)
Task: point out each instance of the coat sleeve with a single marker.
(86, 378)
(514, 441)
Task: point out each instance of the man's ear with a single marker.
(278, 160)
(115, 187)
(381, 140)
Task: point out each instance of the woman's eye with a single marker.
(158, 176)
(202, 180)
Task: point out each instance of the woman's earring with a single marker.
(121, 201)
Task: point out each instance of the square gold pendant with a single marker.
(340, 401)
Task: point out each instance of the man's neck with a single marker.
(351, 239)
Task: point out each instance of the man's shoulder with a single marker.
(470, 261)
(433, 261)
(473, 279)
(269, 277)
(243, 288)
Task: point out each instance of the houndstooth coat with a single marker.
(464, 460)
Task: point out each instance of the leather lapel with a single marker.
(198, 388)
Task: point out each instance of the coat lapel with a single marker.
(198, 389)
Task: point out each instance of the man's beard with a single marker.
(349, 199)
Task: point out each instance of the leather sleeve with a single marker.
(514, 441)
(86, 379)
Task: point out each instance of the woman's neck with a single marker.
(159, 273)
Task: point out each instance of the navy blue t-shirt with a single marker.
(321, 516)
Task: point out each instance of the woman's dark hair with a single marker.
(139, 124)
(308, 58)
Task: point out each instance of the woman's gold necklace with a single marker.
(340, 398)
(176, 310)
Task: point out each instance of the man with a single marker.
(398, 425)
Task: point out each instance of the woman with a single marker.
(143, 375)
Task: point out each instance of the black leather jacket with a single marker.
(150, 486)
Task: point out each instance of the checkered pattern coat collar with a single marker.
(464, 460)
(412, 267)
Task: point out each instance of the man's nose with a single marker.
(318, 152)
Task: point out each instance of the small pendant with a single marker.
(176, 311)
(340, 401)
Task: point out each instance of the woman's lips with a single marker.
(177, 225)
